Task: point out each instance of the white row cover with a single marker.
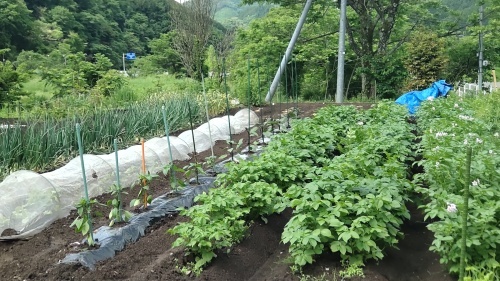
(31, 201)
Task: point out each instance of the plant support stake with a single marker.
(168, 142)
(85, 187)
(194, 144)
(143, 168)
(227, 110)
(465, 213)
(208, 116)
(249, 93)
(260, 101)
(115, 145)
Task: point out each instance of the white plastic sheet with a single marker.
(31, 201)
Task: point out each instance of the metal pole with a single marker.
(118, 185)
(481, 47)
(123, 60)
(288, 52)
(339, 96)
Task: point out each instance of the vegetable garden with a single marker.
(347, 181)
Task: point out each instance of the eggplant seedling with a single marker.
(143, 197)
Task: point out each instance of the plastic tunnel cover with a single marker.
(181, 147)
(29, 202)
(243, 116)
(153, 162)
(68, 180)
(214, 130)
(202, 140)
(223, 124)
(160, 146)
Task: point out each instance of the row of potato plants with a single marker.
(251, 190)
(448, 127)
(332, 200)
(354, 204)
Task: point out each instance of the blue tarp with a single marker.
(413, 99)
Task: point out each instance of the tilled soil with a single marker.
(260, 256)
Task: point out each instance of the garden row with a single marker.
(343, 173)
(449, 127)
(42, 144)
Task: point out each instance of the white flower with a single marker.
(360, 123)
(465, 142)
(490, 151)
(437, 164)
(453, 124)
(476, 182)
(441, 134)
(496, 135)
(435, 148)
(478, 140)
(465, 117)
(433, 108)
(451, 208)
(456, 105)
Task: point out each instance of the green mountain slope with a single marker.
(233, 12)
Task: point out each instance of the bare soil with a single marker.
(259, 257)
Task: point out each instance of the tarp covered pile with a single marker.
(413, 99)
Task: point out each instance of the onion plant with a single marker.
(45, 143)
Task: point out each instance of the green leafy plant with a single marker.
(117, 214)
(351, 270)
(220, 219)
(175, 183)
(83, 223)
(143, 197)
(449, 127)
(236, 145)
(195, 168)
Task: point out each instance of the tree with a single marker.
(265, 41)
(16, 25)
(219, 50)
(193, 29)
(10, 82)
(425, 60)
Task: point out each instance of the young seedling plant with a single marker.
(143, 197)
(196, 168)
(175, 183)
(82, 223)
(117, 214)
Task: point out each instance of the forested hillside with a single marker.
(77, 46)
(110, 27)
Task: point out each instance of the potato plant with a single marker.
(448, 128)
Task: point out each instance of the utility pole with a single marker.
(339, 96)
(481, 48)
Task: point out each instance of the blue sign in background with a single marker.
(130, 56)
